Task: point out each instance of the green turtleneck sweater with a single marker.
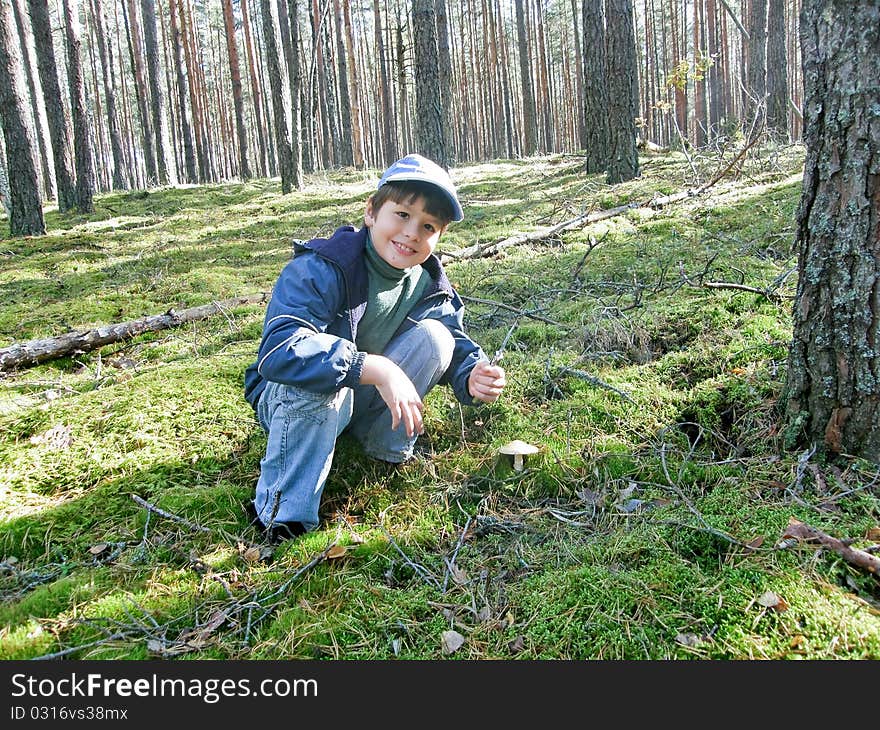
(391, 295)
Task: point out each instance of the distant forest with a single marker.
(160, 92)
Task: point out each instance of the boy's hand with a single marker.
(486, 381)
(398, 392)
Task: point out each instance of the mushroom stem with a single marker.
(518, 462)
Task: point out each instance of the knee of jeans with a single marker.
(441, 340)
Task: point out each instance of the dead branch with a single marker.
(34, 352)
(482, 250)
(153, 508)
(593, 380)
(853, 556)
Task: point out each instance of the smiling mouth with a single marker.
(403, 248)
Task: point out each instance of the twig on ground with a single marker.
(168, 515)
(592, 379)
(853, 556)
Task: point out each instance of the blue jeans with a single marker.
(303, 426)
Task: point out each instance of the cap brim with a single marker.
(458, 213)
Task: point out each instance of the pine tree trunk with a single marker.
(597, 151)
(282, 134)
(235, 80)
(346, 136)
(832, 393)
(186, 134)
(48, 71)
(157, 98)
(530, 124)
(430, 138)
(357, 135)
(712, 27)
(256, 94)
(623, 163)
(40, 123)
(25, 204)
(756, 82)
(296, 96)
(777, 71)
(386, 120)
(82, 141)
(444, 76)
(132, 27)
(700, 122)
(120, 181)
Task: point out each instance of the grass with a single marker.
(648, 527)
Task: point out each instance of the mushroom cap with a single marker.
(518, 447)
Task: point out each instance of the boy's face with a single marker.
(403, 234)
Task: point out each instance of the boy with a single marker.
(360, 327)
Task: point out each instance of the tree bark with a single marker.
(120, 181)
(756, 80)
(256, 94)
(26, 206)
(623, 163)
(282, 133)
(157, 98)
(430, 134)
(82, 140)
(832, 392)
(597, 151)
(296, 97)
(777, 71)
(132, 27)
(42, 30)
(244, 169)
(186, 133)
(530, 122)
(34, 352)
(346, 158)
(386, 119)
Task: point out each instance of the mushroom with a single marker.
(518, 450)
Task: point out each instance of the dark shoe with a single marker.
(280, 531)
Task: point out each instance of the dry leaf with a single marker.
(252, 554)
(507, 621)
(770, 600)
(796, 641)
(459, 576)
(451, 641)
(873, 534)
(756, 543)
(356, 538)
(98, 548)
(515, 646)
(337, 551)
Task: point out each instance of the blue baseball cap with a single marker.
(421, 169)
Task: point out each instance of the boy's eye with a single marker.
(403, 214)
(429, 227)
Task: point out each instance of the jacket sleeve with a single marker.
(296, 347)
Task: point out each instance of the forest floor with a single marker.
(646, 363)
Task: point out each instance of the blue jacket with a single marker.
(312, 319)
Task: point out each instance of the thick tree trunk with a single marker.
(430, 135)
(42, 30)
(597, 150)
(623, 163)
(82, 140)
(832, 393)
(37, 105)
(357, 142)
(26, 206)
(296, 97)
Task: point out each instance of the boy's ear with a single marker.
(369, 217)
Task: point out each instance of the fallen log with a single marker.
(34, 352)
(853, 556)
